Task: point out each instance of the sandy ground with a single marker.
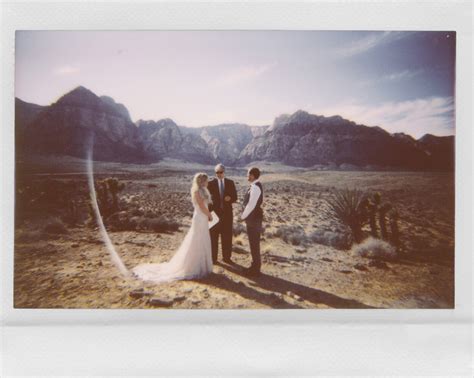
(74, 270)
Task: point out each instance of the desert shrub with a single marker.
(334, 239)
(125, 221)
(161, 224)
(349, 206)
(23, 236)
(55, 226)
(293, 234)
(238, 229)
(120, 221)
(150, 214)
(107, 195)
(71, 213)
(136, 212)
(375, 249)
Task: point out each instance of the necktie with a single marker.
(221, 185)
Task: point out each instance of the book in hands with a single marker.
(214, 221)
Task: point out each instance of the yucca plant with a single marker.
(349, 206)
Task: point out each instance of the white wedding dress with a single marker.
(193, 259)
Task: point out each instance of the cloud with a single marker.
(368, 42)
(434, 115)
(393, 77)
(244, 74)
(66, 70)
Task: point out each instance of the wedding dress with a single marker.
(193, 259)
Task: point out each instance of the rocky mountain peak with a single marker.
(301, 116)
(79, 96)
(299, 122)
(299, 139)
(430, 138)
(115, 107)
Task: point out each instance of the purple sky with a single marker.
(401, 81)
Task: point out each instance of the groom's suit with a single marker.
(253, 216)
(224, 211)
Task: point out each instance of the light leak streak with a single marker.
(105, 236)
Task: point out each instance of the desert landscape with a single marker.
(310, 259)
(358, 168)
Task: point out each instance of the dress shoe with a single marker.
(252, 272)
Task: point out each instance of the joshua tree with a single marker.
(384, 209)
(102, 196)
(72, 212)
(107, 195)
(395, 231)
(114, 188)
(372, 209)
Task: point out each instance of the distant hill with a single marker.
(25, 113)
(81, 119)
(226, 141)
(164, 138)
(303, 139)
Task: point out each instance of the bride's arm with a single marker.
(202, 205)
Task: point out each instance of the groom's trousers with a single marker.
(254, 232)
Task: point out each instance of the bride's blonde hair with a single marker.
(199, 179)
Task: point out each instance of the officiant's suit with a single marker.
(219, 189)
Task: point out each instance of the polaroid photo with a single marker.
(305, 170)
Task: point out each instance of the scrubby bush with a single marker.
(71, 215)
(238, 229)
(334, 239)
(28, 236)
(375, 249)
(55, 226)
(161, 224)
(125, 221)
(293, 234)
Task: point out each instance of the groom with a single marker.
(223, 195)
(253, 217)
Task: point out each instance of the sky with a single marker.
(401, 81)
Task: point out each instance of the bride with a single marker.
(193, 259)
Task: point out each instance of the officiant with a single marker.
(223, 195)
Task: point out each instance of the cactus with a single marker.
(394, 229)
(373, 209)
(114, 188)
(384, 209)
(107, 196)
(377, 198)
(72, 212)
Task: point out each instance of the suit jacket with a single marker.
(224, 211)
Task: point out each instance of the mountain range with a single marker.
(81, 120)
